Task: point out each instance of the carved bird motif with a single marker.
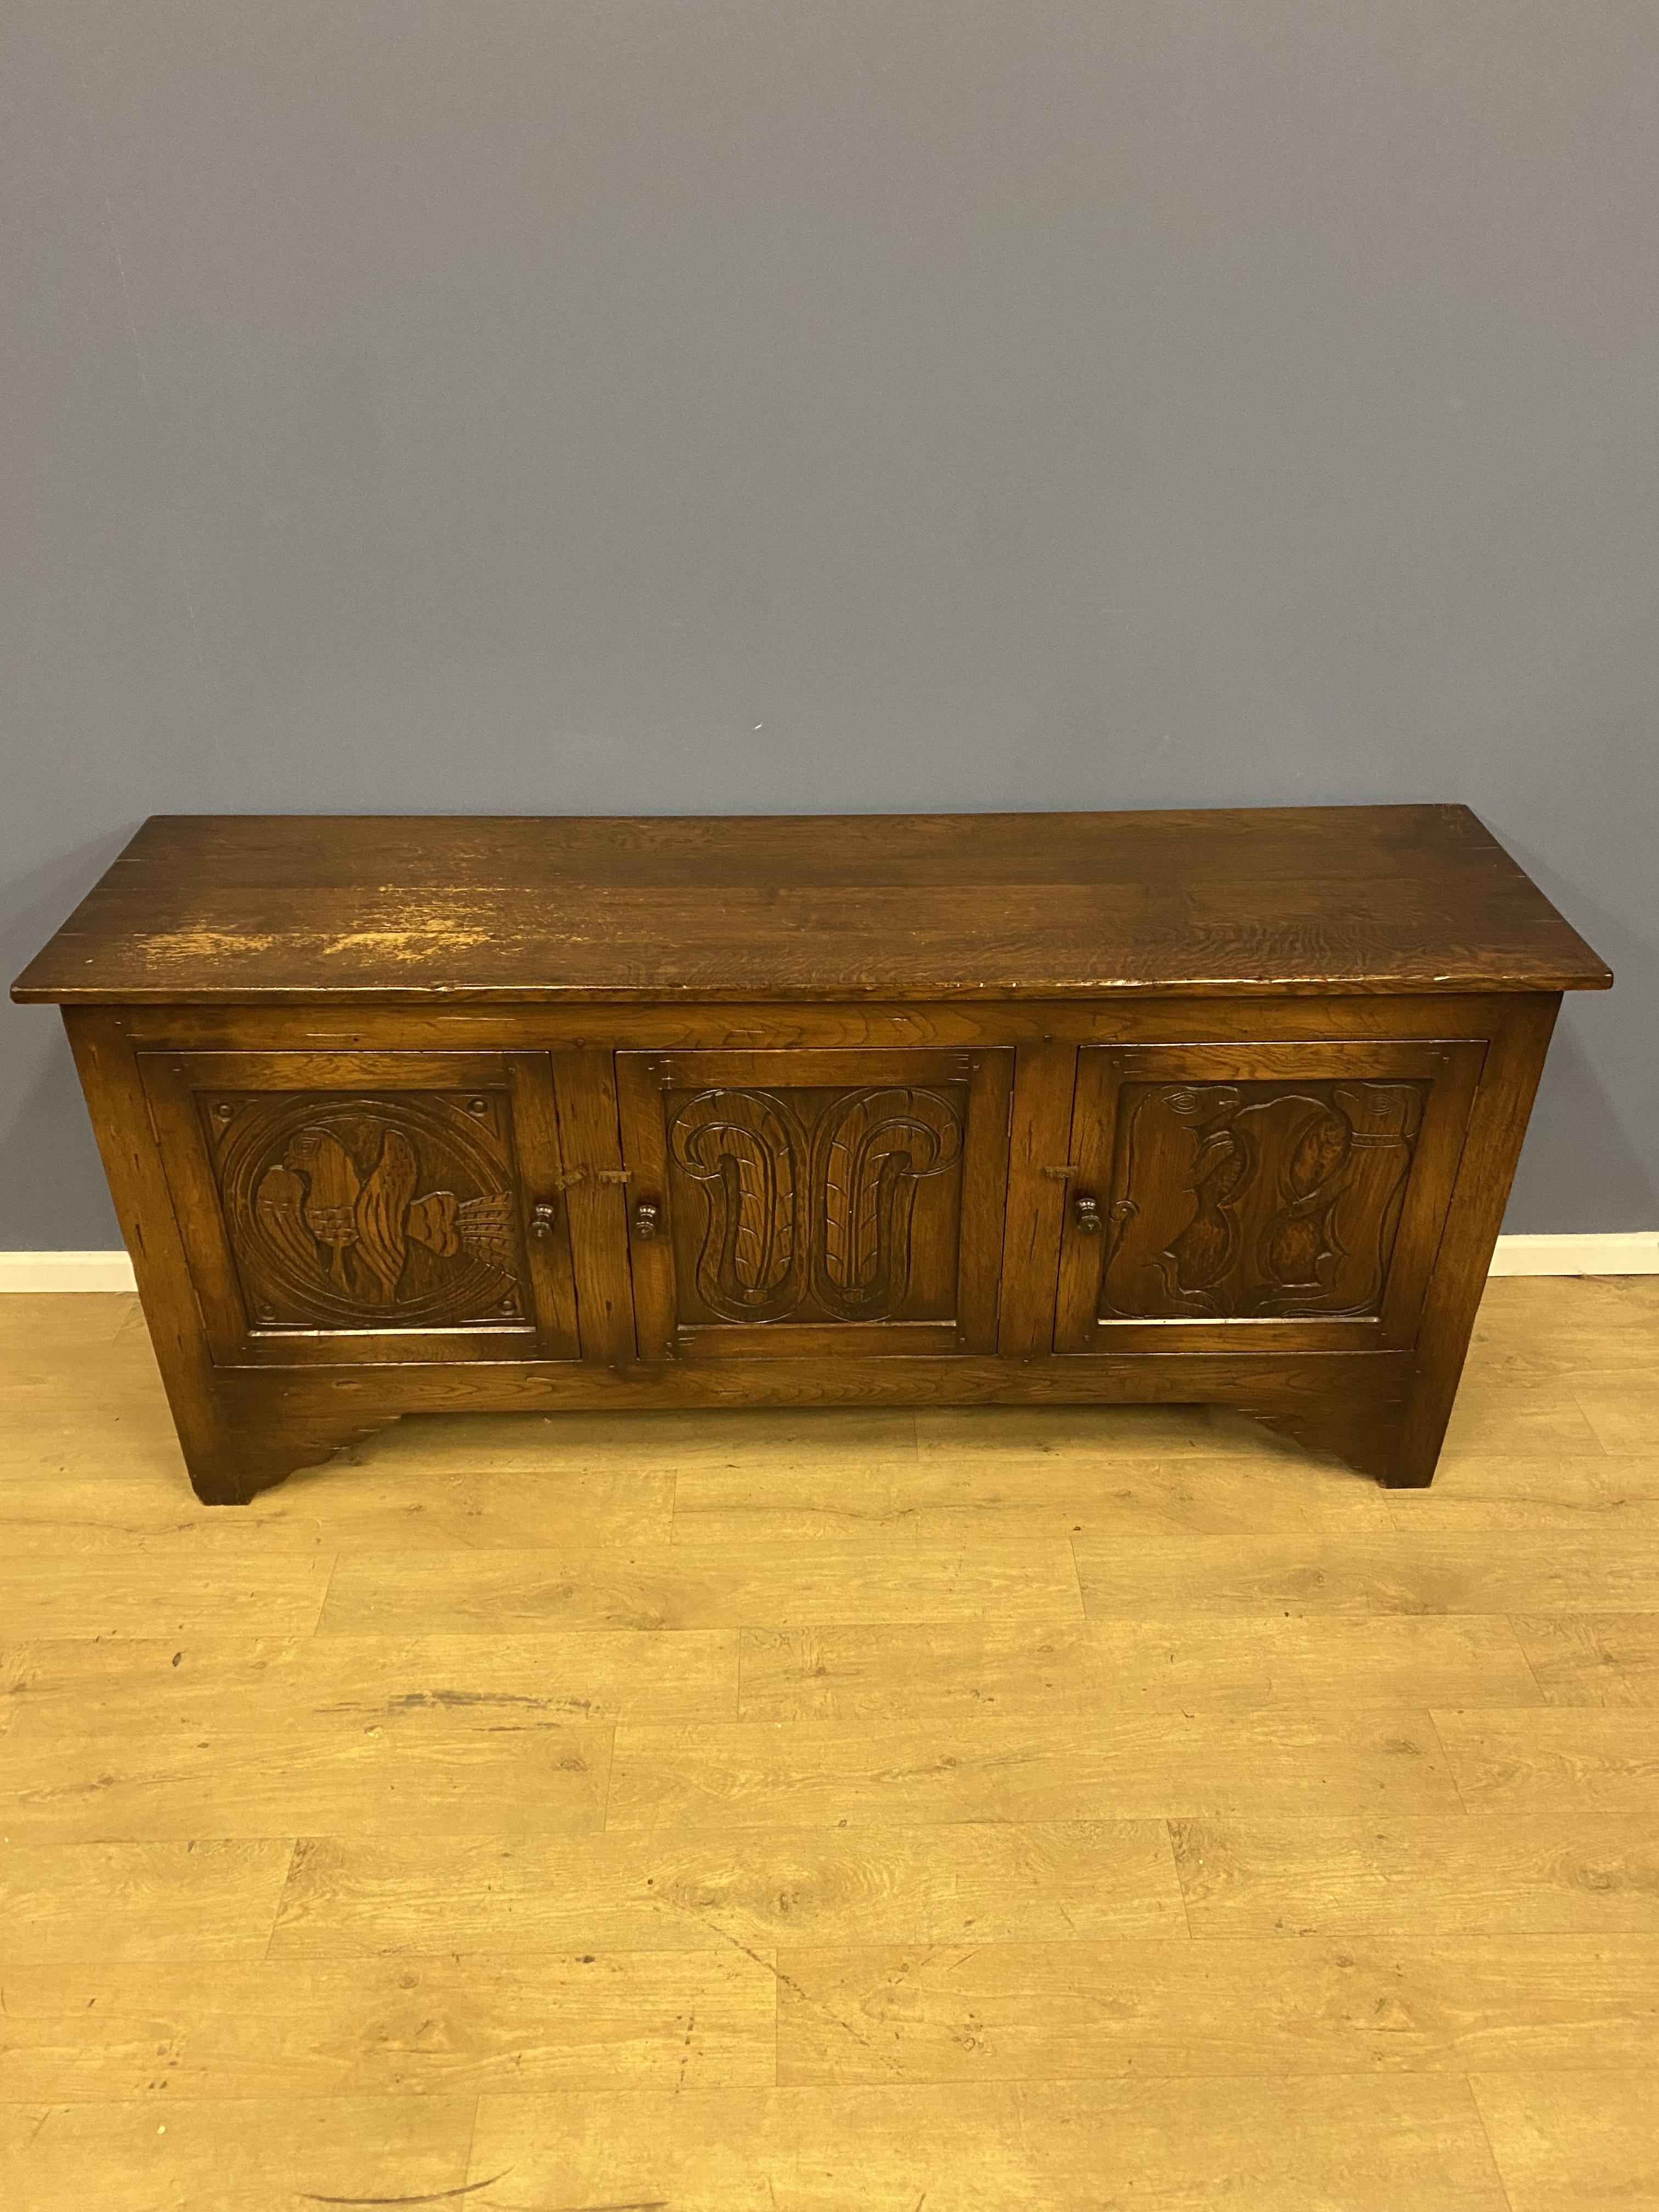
(320, 1196)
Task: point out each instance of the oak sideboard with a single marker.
(424, 1115)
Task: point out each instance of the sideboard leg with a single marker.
(1497, 1123)
(1416, 1451)
(1360, 1426)
(233, 1454)
(233, 1471)
(1402, 1476)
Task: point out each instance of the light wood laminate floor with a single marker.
(992, 1811)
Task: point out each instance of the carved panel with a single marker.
(1257, 1201)
(347, 1211)
(747, 1150)
(802, 1203)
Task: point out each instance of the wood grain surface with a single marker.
(330, 1235)
(229, 908)
(1043, 1808)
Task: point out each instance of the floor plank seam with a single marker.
(609, 1774)
(1180, 1887)
(1492, 2148)
(472, 2144)
(1077, 1578)
(1545, 1699)
(282, 1895)
(328, 1585)
(1433, 1720)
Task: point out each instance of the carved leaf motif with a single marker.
(382, 1205)
(740, 1147)
(1291, 1252)
(432, 1223)
(1195, 1262)
(331, 1196)
(874, 1147)
(484, 1227)
(758, 1182)
(1208, 1246)
(1320, 1151)
(279, 1208)
(1298, 1240)
(320, 1202)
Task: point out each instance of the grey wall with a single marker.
(751, 404)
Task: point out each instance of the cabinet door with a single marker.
(368, 1207)
(795, 1202)
(1287, 1196)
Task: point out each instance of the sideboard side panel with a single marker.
(1497, 1124)
(230, 1457)
(114, 1092)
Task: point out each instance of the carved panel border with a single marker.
(1291, 1192)
(357, 1211)
(818, 1210)
(1257, 1199)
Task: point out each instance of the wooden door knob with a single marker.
(646, 1220)
(541, 1219)
(1085, 1212)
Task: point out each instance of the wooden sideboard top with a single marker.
(252, 909)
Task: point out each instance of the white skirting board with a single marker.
(66, 1270)
(1615, 1252)
(1619, 1252)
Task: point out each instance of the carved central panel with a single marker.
(813, 1205)
(1240, 1201)
(352, 1211)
